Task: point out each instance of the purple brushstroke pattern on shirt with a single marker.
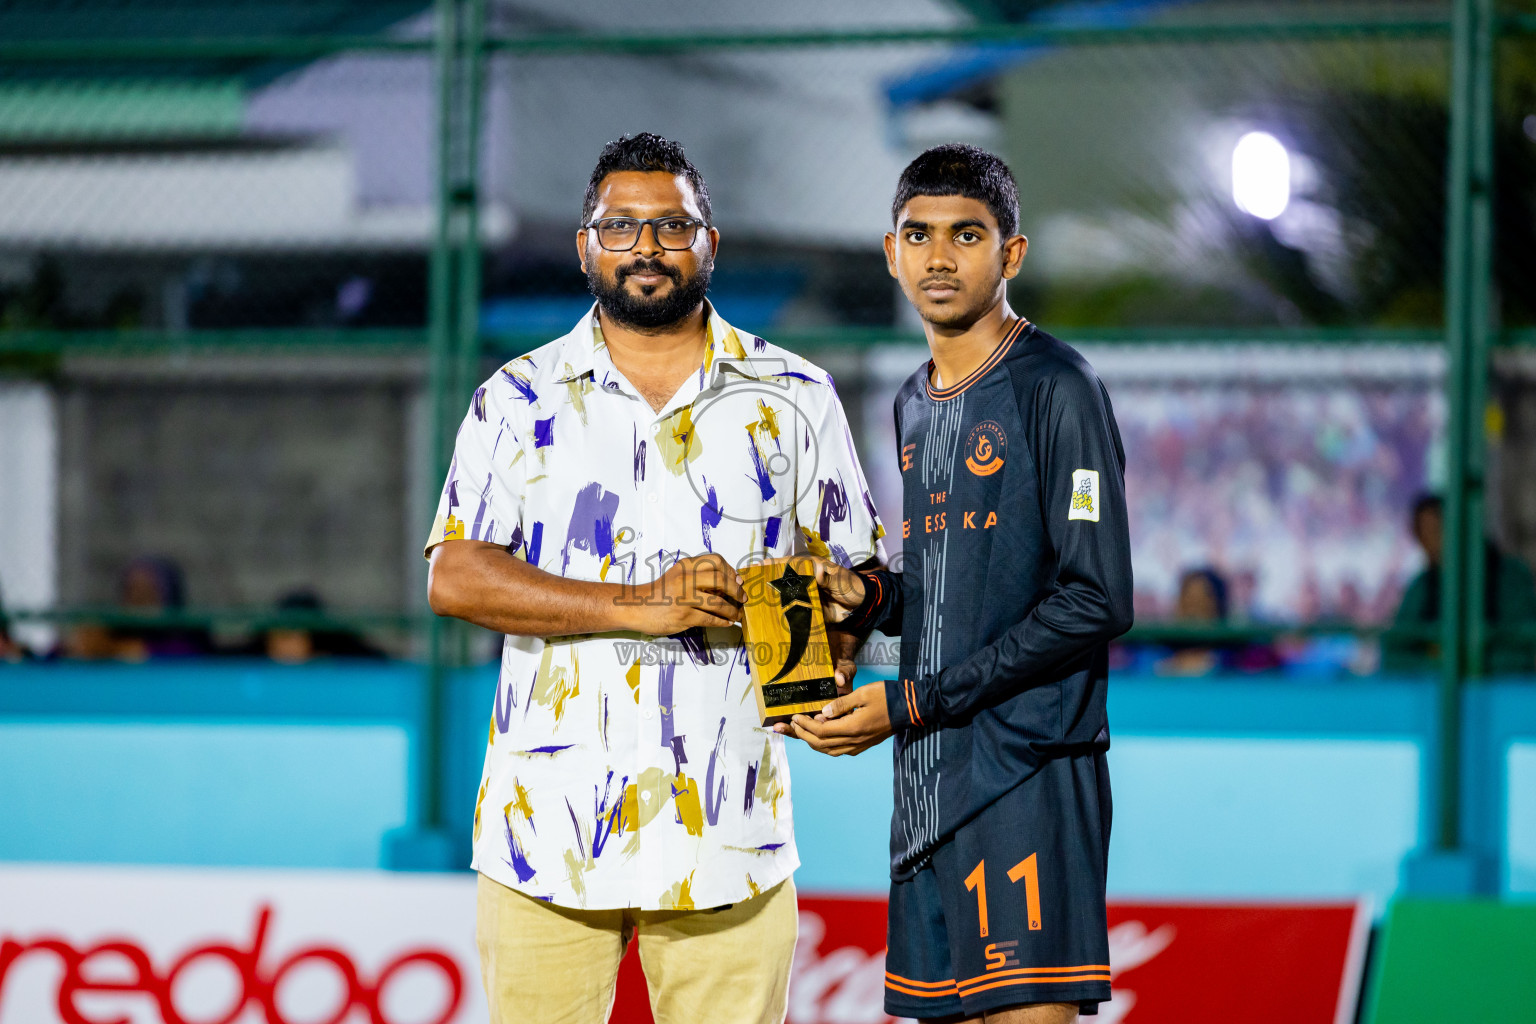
(544, 433)
(664, 679)
(694, 641)
(639, 446)
(764, 480)
(528, 704)
(485, 499)
(524, 389)
(771, 533)
(591, 526)
(834, 505)
(679, 754)
(746, 801)
(759, 344)
(581, 842)
(710, 514)
(504, 707)
(712, 799)
(606, 818)
(519, 859)
(535, 542)
(478, 403)
(799, 375)
(553, 749)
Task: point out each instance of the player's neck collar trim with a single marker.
(942, 394)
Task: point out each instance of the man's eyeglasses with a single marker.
(621, 233)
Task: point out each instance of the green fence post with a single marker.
(1448, 865)
(452, 329)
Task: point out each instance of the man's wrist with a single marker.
(626, 606)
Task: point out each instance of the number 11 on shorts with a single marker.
(1026, 869)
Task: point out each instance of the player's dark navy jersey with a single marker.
(1016, 574)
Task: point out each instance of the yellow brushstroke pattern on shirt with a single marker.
(551, 687)
(767, 419)
(578, 389)
(769, 788)
(676, 440)
(815, 544)
(632, 677)
(521, 804)
(679, 896)
(575, 873)
(478, 801)
(689, 811)
(733, 345)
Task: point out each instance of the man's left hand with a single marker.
(849, 725)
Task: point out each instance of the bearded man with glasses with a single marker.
(603, 492)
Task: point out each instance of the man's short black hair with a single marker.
(1426, 502)
(959, 170)
(645, 152)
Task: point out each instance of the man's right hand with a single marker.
(702, 591)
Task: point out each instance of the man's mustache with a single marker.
(939, 279)
(648, 267)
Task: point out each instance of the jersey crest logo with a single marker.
(1085, 495)
(985, 448)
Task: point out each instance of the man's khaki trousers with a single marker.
(544, 964)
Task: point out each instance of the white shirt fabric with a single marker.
(624, 770)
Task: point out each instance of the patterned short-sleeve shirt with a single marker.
(623, 770)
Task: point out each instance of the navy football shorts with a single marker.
(1010, 909)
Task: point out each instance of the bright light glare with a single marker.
(1261, 175)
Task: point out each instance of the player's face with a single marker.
(951, 258)
(648, 285)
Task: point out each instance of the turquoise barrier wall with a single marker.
(1222, 787)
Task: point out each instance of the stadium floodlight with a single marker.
(1261, 175)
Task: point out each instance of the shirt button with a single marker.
(649, 715)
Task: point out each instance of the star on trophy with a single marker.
(786, 640)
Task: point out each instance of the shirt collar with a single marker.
(584, 351)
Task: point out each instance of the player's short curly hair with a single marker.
(645, 152)
(959, 170)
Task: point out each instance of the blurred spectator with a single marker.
(147, 586)
(1204, 600)
(294, 646)
(1509, 600)
(10, 650)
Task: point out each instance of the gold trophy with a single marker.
(786, 640)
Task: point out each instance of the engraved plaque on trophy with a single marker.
(786, 642)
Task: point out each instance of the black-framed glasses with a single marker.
(621, 233)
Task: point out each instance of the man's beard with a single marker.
(649, 312)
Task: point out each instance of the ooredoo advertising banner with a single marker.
(96, 945)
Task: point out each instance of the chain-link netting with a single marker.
(214, 292)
